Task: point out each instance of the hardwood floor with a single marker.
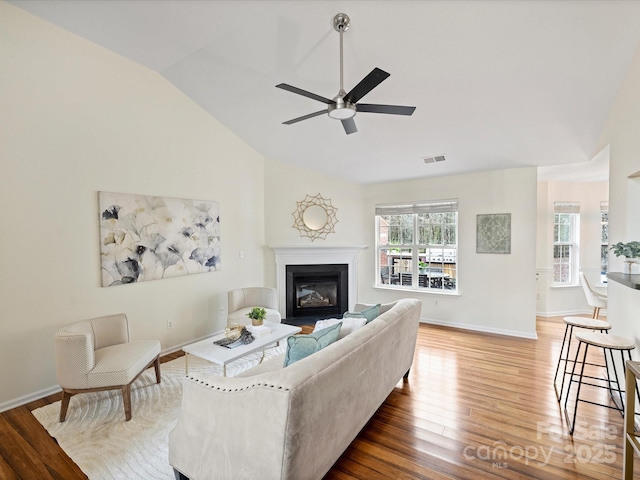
(474, 406)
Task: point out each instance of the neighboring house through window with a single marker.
(417, 245)
(566, 225)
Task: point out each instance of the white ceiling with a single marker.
(496, 84)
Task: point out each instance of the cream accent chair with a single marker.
(594, 299)
(242, 300)
(96, 354)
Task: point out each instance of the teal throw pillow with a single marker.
(301, 346)
(369, 313)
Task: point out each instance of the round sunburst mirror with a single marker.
(315, 217)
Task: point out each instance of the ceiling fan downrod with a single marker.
(341, 110)
(341, 23)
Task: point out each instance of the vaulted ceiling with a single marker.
(497, 84)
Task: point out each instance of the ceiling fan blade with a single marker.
(349, 126)
(368, 83)
(389, 109)
(299, 119)
(304, 93)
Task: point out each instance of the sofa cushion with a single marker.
(119, 364)
(301, 346)
(271, 365)
(349, 324)
(369, 313)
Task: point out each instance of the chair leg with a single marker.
(596, 312)
(568, 333)
(126, 397)
(619, 390)
(156, 366)
(572, 424)
(64, 405)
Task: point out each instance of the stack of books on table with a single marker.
(259, 331)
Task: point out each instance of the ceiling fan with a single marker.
(344, 106)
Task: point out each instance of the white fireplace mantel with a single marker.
(316, 255)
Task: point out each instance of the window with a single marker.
(604, 241)
(418, 245)
(566, 218)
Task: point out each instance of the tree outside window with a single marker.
(565, 231)
(417, 246)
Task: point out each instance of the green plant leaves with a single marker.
(628, 250)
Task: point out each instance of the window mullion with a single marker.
(414, 254)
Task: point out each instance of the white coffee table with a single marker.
(208, 350)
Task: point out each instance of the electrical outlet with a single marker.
(221, 310)
(437, 303)
(241, 253)
(169, 324)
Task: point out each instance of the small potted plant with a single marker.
(257, 316)
(631, 251)
(423, 267)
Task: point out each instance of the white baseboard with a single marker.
(478, 328)
(32, 397)
(175, 348)
(565, 313)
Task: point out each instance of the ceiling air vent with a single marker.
(434, 158)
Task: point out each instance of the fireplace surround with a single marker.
(317, 255)
(317, 291)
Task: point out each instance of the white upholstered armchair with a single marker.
(97, 354)
(242, 300)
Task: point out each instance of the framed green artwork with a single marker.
(493, 233)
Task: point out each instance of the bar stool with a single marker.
(608, 343)
(570, 323)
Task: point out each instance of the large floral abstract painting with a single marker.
(148, 238)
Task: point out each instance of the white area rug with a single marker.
(104, 446)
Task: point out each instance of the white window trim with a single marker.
(415, 208)
(570, 208)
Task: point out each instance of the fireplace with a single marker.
(317, 291)
(317, 255)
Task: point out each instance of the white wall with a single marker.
(497, 292)
(503, 304)
(569, 300)
(285, 185)
(76, 119)
(621, 133)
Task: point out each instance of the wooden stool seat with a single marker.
(603, 340)
(589, 323)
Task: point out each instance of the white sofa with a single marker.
(293, 423)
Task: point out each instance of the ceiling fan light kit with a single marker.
(344, 106)
(341, 109)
